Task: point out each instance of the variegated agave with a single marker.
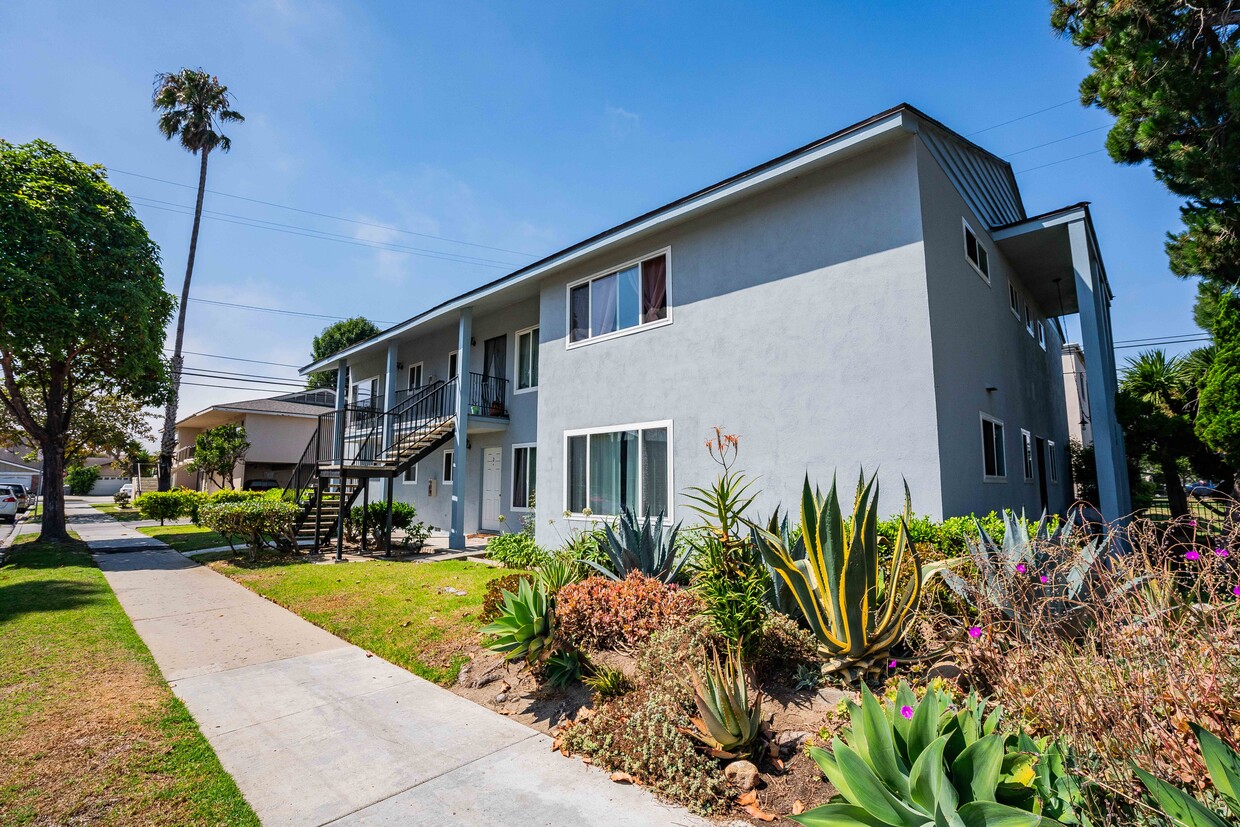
(728, 723)
(857, 609)
(643, 547)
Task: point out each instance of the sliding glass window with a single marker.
(610, 470)
(630, 297)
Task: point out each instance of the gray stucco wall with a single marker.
(978, 343)
(432, 349)
(799, 321)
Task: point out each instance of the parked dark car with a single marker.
(1205, 491)
(261, 485)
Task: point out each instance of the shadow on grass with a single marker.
(39, 593)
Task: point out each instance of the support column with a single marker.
(460, 440)
(389, 424)
(1094, 309)
(342, 396)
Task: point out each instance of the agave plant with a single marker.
(1036, 575)
(556, 573)
(925, 764)
(524, 626)
(643, 547)
(728, 723)
(779, 596)
(564, 667)
(1223, 766)
(833, 572)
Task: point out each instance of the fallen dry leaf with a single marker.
(622, 778)
(757, 813)
(750, 797)
(798, 807)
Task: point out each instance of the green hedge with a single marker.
(517, 551)
(259, 522)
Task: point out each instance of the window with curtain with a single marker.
(632, 296)
(524, 464)
(608, 471)
(527, 359)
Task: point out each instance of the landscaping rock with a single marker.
(742, 775)
(791, 740)
(453, 591)
(501, 697)
(831, 695)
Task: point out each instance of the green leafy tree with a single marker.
(104, 425)
(81, 479)
(1218, 414)
(335, 338)
(192, 106)
(82, 303)
(218, 450)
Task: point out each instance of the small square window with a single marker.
(448, 460)
(411, 473)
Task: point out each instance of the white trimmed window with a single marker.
(1014, 299)
(527, 359)
(627, 466)
(1028, 318)
(411, 474)
(524, 476)
(976, 253)
(1052, 461)
(1041, 331)
(448, 459)
(620, 301)
(415, 376)
(994, 458)
(1026, 454)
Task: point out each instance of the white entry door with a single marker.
(492, 485)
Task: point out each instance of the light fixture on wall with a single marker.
(991, 389)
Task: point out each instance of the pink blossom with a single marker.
(975, 631)
(892, 665)
(1221, 552)
(1191, 554)
(1020, 567)
(907, 712)
(1236, 591)
(1044, 579)
(1193, 523)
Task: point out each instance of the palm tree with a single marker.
(191, 106)
(1165, 384)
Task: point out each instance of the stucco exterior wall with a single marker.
(978, 344)
(799, 321)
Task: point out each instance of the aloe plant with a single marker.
(523, 628)
(1223, 766)
(563, 667)
(927, 764)
(728, 723)
(855, 609)
(643, 547)
(1036, 575)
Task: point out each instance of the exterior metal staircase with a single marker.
(372, 443)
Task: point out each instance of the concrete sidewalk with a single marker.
(317, 732)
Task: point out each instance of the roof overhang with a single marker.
(853, 140)
(1040, 250)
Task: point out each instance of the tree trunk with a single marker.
(52, 529)
(167, 445)
(1177, 498)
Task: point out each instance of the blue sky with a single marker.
(522, 128)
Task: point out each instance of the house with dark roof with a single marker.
(276, 427)
(879, 299)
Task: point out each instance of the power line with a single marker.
(1056, 141)
(235, 387)
(1164, 337)
(1021, 118)
(324, 215)
(1061, 161)
(280, 311)
(208, 373)
(378, 245)
(234, 358)
(1169, 342)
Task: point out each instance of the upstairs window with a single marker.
(1014, 299)
(976, 253)
(1026, 452)
(994, 461)
(1052, 462)
(527, 359)
(615, 302)
(1041, 332)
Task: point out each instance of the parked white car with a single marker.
(8, 504)
(23, 496)
(126, 489)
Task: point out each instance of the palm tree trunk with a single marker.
(168, 442)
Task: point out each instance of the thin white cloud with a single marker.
(620, 120)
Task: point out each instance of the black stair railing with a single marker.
(415, 419)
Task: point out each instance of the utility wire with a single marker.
(317, 234)
(234, 358)
(1056, 141)
(280, 311)
(323, 215)
(1021, 118)
(1060, 161)
(225, 374)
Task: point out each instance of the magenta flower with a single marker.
(892, 665)
(1193, 523)
(1044, 579)
(1236, 591)
(907, 712)
(1221, 552)
(975, 631)
(1020, 567)
(1191, 554)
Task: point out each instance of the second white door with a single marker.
(492, 486)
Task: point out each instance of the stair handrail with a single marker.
(411, 421)
(305, 470)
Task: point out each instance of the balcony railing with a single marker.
(488, 395)
(183, 455)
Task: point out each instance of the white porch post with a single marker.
(389, 400)
(342, 395)
(1095, 312)
(460, 436)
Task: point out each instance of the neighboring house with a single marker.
(13, 468)
(277, 429)
(1077, 394)
(878, 299)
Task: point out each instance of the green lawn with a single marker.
(185, 537)
(396, 610)
(89, 731)
(30, 538)
(125, 515)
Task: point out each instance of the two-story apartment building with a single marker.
(878, 299)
